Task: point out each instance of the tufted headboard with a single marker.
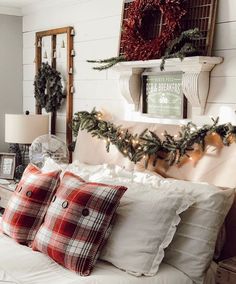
(216, 166)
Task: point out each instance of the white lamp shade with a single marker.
(23, 129)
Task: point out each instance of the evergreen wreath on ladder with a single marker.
(48, 88)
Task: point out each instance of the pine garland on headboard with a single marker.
(147, 145)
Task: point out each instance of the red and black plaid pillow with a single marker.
(27, 207)
(77, 221)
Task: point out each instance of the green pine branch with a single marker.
(182, 46)
(107, 63)
(148, 144)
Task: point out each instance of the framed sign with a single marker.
(163, 96)
(7, 165)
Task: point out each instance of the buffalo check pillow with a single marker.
(77, 222)
(28, 204)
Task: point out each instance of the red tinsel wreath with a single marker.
(135, 46)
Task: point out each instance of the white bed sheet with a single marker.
(20, 265)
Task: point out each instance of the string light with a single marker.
(99, 116)
(186, 141)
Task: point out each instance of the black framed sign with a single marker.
(7, 165)
(163, 96)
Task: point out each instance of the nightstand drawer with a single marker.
(5, 195)
(225, 276)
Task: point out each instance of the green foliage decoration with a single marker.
(107, 63)
(182, 46)
(48, 88)
(147, 144)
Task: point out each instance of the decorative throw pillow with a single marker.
(192, 248)
(77, 221)
(28, 204)
(145, 225)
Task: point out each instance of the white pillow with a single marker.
(78, 168)
(123, 175)
(192, 248)
(145, 225)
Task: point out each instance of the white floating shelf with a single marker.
(195, 81)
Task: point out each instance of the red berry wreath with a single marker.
(135, 46)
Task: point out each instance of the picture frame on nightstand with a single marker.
(7, 165)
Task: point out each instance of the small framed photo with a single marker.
(7, 165)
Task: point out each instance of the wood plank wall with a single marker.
(97, 28)
(223, 80)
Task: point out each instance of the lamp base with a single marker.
(22, 158)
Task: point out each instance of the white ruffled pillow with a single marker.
(145, 225)
(192, 248)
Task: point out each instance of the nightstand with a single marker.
(6, 191)
(226, 271)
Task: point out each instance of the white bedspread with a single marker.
(20, 265)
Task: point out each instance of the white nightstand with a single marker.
(6, 191)
(226, 271)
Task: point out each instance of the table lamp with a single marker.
(22, 129)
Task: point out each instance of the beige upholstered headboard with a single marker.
(217, 166)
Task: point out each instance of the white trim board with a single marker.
(11, 11)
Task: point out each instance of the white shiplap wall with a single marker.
(97, 27)
(222, 97)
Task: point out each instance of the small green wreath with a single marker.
(48, 88)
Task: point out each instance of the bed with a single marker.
(19, 264)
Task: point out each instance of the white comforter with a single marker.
(20, 265)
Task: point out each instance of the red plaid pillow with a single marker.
(26, 208)
(77, 221)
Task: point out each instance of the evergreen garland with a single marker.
(48, 88)
(182, 46)
(147, 144)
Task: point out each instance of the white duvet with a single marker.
(20, 265)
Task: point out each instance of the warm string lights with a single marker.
(189, 143)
